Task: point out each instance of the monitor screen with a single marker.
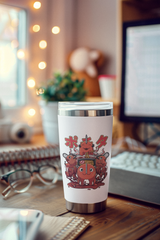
(140, 87)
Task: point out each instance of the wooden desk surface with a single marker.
(123, 218)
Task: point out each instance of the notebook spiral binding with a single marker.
(73, 229)
(27, 158)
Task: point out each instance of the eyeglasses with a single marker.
(20, 180)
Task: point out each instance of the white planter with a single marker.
(49, 112)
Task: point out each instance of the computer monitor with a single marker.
(140, 86)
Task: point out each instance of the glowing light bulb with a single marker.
(37, 5)
(20, 54)
(55, 30)
(41, 91)
(36, 28)
(31, 112)
(31, 82)
(42, 44)
(42, 65)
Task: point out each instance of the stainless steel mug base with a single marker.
(86, 208)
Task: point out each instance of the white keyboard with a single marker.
(136, 175)
(137, 162)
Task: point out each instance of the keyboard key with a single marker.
(154, 159)
(132, 161)
(129, 161)
(158, 165)
(152, 165)
(146, 160)
(144, 164)
(139, 156)
(136, 163)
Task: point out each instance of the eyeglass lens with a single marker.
(20, 179)
(48, 173)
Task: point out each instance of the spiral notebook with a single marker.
(61, 228)
(26, 158)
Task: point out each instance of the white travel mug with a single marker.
(85, 139)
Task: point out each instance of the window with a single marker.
(12, 56)
(30, 26)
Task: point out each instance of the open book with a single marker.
(67, 228)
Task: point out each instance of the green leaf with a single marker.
(63, 87)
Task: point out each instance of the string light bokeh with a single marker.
(31, 82)
(42, 65)
(42, 44)
(36, 28)
(56, 30)
(20, 54)
(31, 112)
(37, 5)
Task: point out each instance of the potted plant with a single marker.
(62, 87)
